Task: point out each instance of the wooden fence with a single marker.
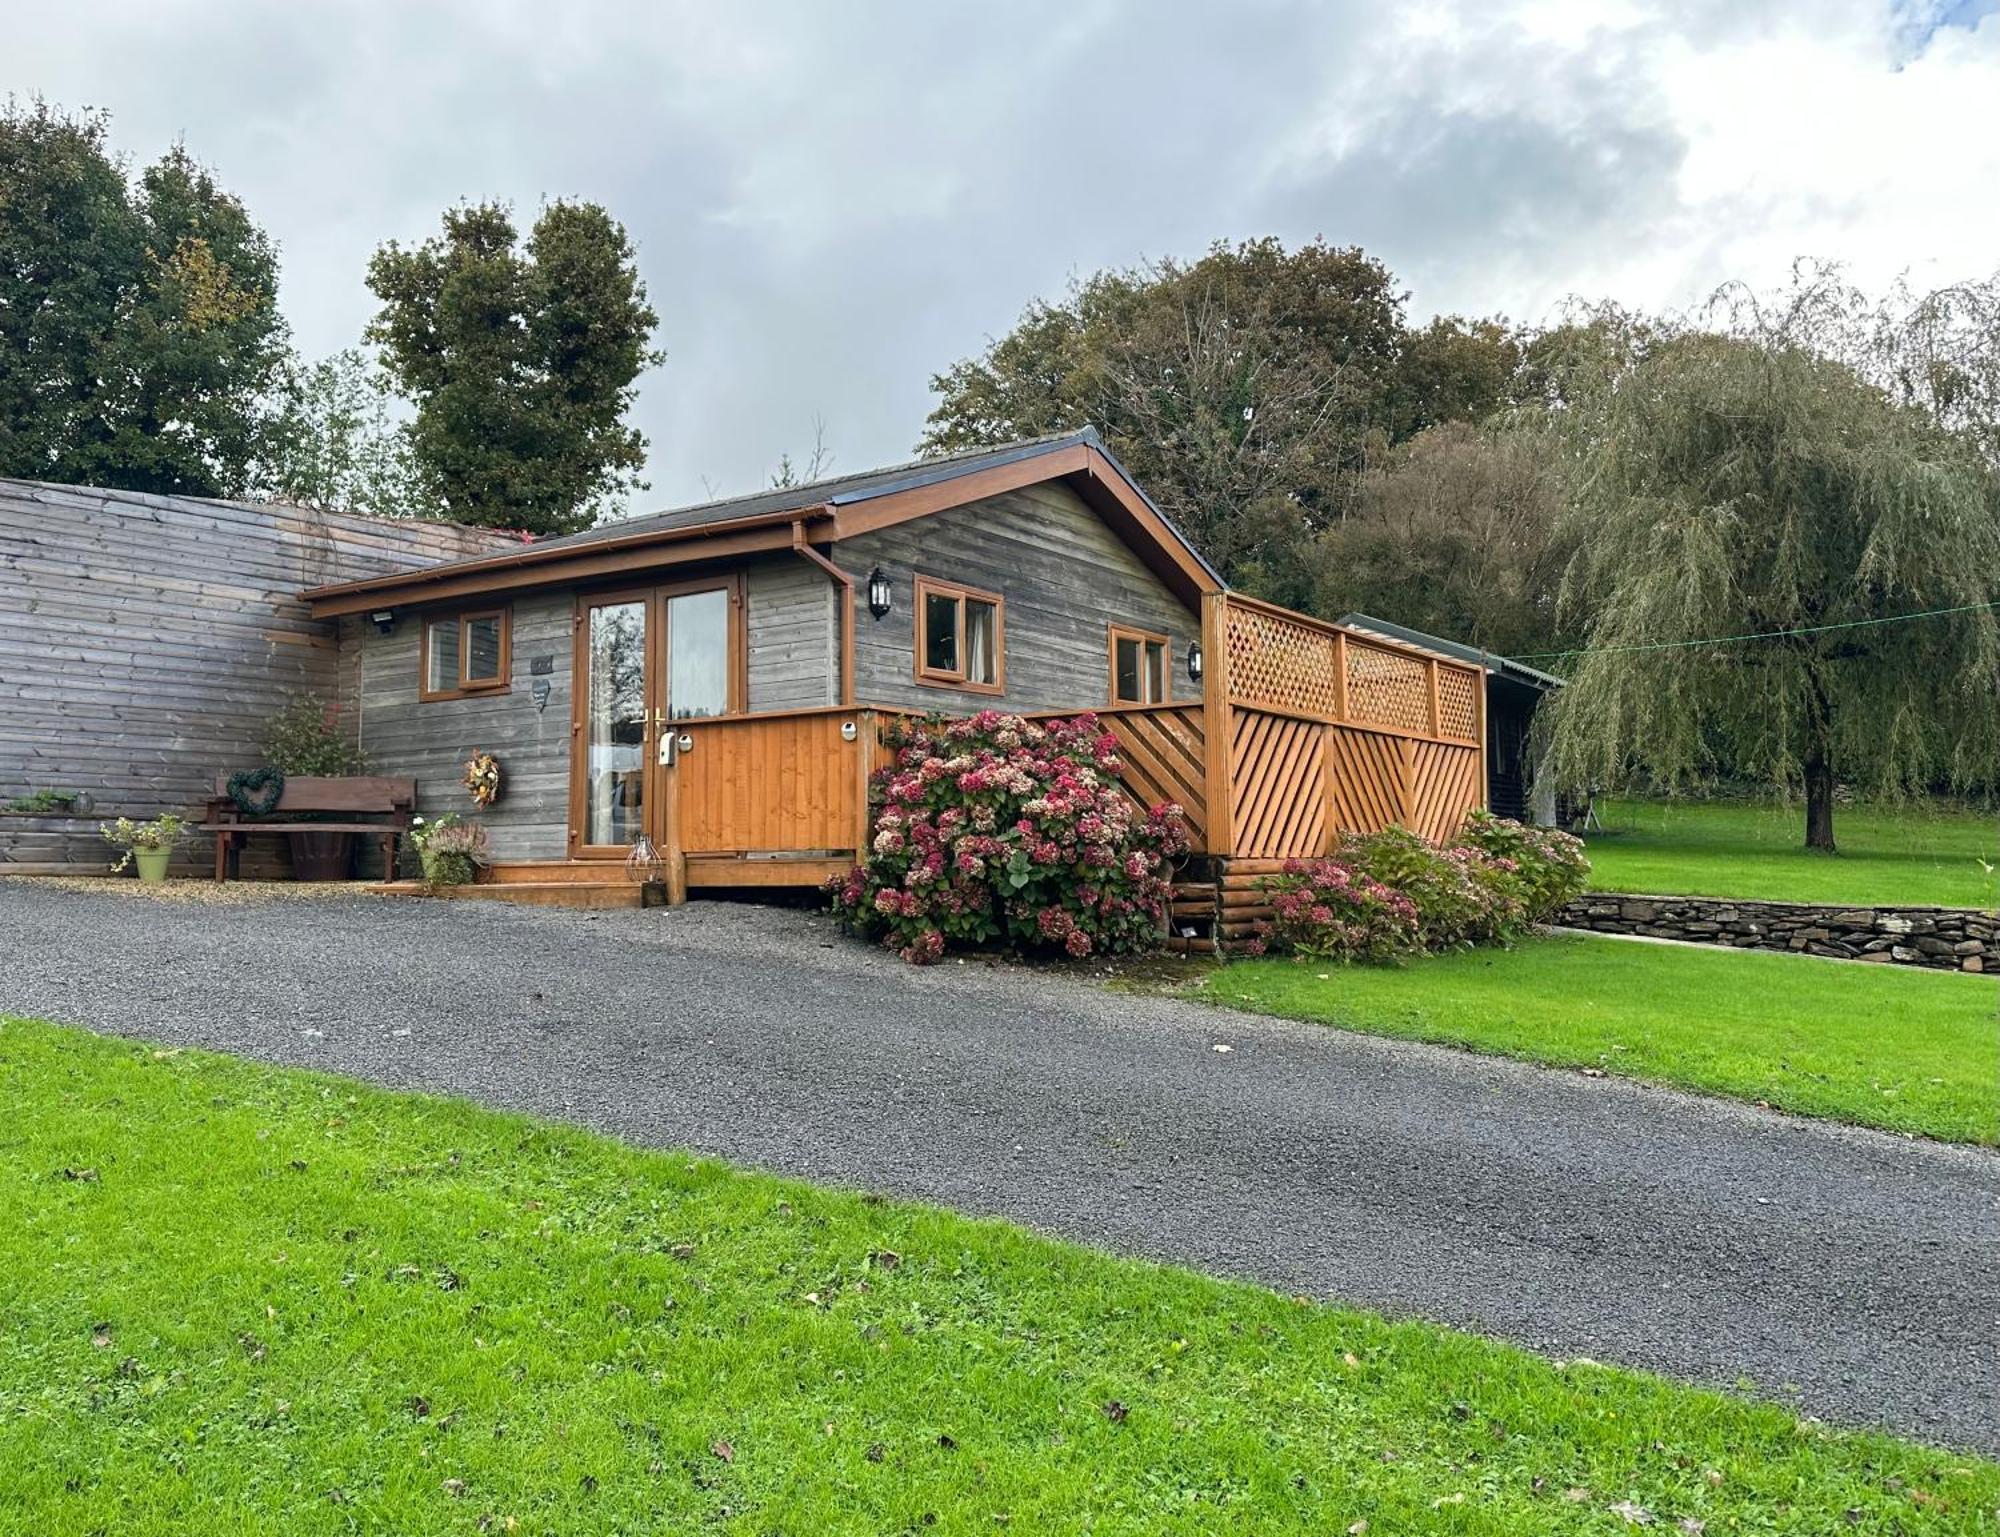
(1331, 733)
(1306, 732)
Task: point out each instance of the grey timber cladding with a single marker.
(1066, 578)
(145, 641)
(793, 623)
(526, 725)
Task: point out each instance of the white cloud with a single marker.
(832, 203)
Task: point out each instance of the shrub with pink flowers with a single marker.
(1391, 894)
(998, 830)
(1328, 910)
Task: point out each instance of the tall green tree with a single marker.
(1454, 532)
(1247, 390)
(1763, 472)
(336, 444)
(521, 359)
(139, 325)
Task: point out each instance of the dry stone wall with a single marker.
(1944, 938)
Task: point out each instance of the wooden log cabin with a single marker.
(716, 678)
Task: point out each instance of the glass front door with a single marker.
(645, 661)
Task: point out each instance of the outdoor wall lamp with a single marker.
(1194, 661)
(384, 620)
(880, 594)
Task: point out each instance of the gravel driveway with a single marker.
(1855, 1272)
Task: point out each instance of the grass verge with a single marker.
(1907, 1050)
(241, 1298)
(1915, 855)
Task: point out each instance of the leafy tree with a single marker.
(1454, 532)
(335, 443)
(1762, 474)
(1246, 390)
(139, 325)
(520, 359)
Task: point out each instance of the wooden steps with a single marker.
(598, 893)
(1222, 904)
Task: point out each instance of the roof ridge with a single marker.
(1085, 433)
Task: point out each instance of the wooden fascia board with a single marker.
(1096, 479)
(1149, 534)
(588, 563)
(871, 513)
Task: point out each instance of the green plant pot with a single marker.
(448, 869)
(152, 863)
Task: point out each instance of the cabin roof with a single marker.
(1453, 650)
(835, 507)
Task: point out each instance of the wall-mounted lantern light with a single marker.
(880, 594)
(1194, 661)
(384, 620)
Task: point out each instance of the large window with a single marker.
(1138, 667)
(465, 653)
(961, 637)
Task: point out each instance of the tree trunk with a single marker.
(1818, 766)
(1819, 803)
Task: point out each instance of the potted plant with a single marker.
(452, 849)
(306, 737)
(149, 845)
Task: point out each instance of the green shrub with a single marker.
(1548, 865)
(1327, 910)
(1386, 895)
(306, 737)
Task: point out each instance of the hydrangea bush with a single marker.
(1391, 894)
(999, 830)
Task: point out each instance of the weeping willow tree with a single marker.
(1786, 474)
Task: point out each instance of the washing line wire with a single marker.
(1725, 640)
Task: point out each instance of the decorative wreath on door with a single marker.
(482, 779)
(257, 791)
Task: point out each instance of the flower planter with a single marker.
(152, 863)
(321, 856)
(442, 869)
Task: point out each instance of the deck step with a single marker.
(586, 872)
(563, 893)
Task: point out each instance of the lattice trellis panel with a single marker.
(1276, 777)
(1458, 707)
(1387, 688)
(1280, 662)
(1444, 786)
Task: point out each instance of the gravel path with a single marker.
(1856, 1273)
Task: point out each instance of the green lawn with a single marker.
(1910, 1050)
(239, 1299)
(1918, 855)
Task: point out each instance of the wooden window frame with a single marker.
(466, 688)
(937, 677)
(1117, 632)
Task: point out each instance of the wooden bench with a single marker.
(363, 803)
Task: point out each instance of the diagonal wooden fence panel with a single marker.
(1370, 778)
(1277, 775)
(1162, 751)
(1445, 785)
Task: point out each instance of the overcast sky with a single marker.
(832, 202)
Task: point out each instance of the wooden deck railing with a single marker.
(1332, 732)
(1305, 731)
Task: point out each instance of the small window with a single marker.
(1138, 667)
(465, 653)
(961, 637)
